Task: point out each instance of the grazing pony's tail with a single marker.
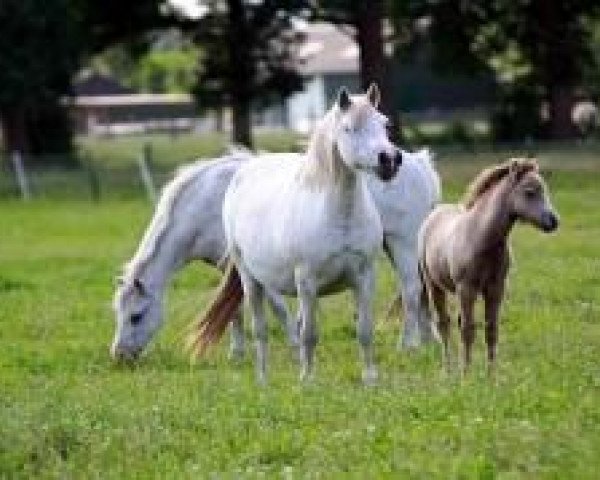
(212, 324)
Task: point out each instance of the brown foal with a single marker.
(464, 249)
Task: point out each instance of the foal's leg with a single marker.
(493, 299)
(363, 294)
(438, 297)
(236, 345)
(306, 290)
(467, 327)
(282, 313)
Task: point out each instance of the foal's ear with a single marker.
(343, 100)
(374, 95)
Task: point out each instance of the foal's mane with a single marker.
(491, 176)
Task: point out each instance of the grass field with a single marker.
(67, 412)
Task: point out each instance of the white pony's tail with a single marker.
(212, 324)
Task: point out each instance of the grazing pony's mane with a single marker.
(156, 231)
(324, 164)
(491, 176)
(165, 212)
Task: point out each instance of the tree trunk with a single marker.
(241, 74)
(556, 58)
(560, 106)
(14, 129)
(373, 65)
(241, 122)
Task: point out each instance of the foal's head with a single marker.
(359, 134)
(526, 196)
(138, 314)
(529, 200)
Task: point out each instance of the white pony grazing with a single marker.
(307, 227)
(186, 226)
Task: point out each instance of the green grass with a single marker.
(67, 412)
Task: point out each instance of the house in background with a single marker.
(328, 59)
(101, 105)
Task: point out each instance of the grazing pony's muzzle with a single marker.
(124, 355)
(549, 221)
(388, 165)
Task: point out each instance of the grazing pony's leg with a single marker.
(466, 298)
(279, 307)
(236, 345)
(282, 313)
(438, 297)
(493, 298)
(363, 294)
(306, 289)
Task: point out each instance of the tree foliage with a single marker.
(538, 49)
(248, 56)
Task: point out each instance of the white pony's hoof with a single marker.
(370, 377)
(236, 355)
(408, 343)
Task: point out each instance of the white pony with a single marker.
(187, 226)
(307, 227)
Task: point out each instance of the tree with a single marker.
(247, 56)
(539, 50)
(366, 20)
(43, 45)
(37, 57)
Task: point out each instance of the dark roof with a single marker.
(98, 84)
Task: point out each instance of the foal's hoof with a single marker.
(370, 377)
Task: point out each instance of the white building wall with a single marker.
(305, 108)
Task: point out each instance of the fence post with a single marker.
(22, 180)
(93, 178)
(145, 174)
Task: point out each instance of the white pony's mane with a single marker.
(323, 164)
(166, 206)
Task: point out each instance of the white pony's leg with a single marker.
(363, 294)
(281, 311)
(418, 327)
(236, 345)
(307, 300)
(254, 294)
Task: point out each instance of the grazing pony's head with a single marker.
(138, 314)
(353, 134)
(527, 196)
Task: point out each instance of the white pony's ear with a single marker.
(374, 95)
(343, 100)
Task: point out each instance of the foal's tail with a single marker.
(210, 327)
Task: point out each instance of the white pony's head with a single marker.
(361, 134)
(353, 134)
(138, 315)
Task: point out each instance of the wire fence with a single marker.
(143, 175)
